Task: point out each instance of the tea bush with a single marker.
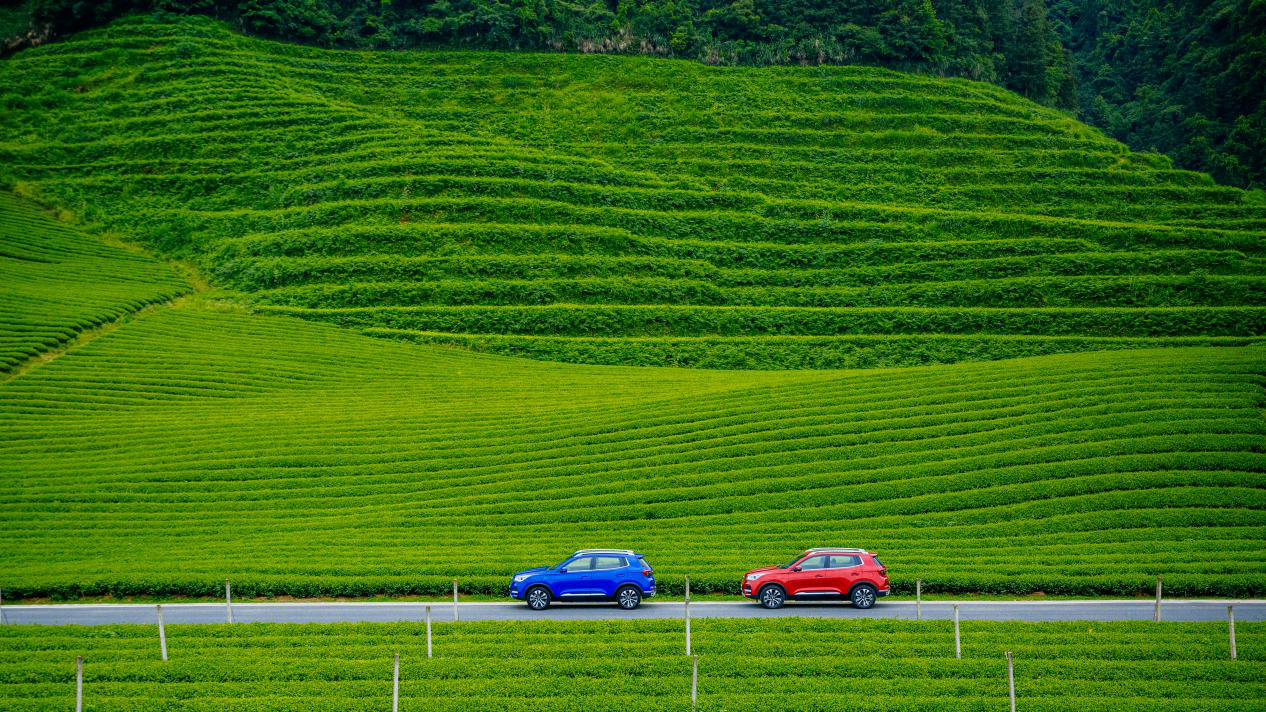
(436, 195)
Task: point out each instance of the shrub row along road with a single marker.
(1119, 610)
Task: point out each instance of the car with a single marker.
(820, 574)
(620, 575)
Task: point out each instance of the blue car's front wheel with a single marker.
(628, 597)
(537, 598)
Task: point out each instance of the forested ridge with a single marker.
(1181, 77)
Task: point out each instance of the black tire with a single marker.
(538, 598)
(864, 596)
(628, 597)
(772, 597)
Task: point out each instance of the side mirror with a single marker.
(562, 571)
(795, 568)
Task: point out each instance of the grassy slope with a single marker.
(299, 458)
(791, 664)
(55, 282)
(629, 210)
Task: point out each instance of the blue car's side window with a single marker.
(581, 563)
(606, 563)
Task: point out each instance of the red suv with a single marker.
(820, 574)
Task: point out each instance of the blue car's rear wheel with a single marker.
(628, 598)
(537, 598)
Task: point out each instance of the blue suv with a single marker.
(618, 575)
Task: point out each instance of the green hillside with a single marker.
(189, 445)
(55, 282)
(622, 211)
(629, 210)
(785, 664)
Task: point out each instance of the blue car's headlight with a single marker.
(519, 578)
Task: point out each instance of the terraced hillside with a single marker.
(785, 664)
(189, 446)
(56, 282)
(632, 210)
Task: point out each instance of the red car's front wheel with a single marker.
(773, 597)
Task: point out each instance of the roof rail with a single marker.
(625, 552)
(839, 548)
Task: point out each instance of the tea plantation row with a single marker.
(620, 209)
(782, 664)
(55, 282)
(189, 445)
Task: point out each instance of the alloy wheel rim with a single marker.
(864, 597)
(537, 598)
(771, 597)
(628, 598)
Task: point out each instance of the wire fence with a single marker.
(690, 654)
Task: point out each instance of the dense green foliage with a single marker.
(298, 458)
(1184, 77)
(780, 664)
(55, 282)
(1004, 41)
(632, 210)
(616, 210)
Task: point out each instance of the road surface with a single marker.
(322, 612)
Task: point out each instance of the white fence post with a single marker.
(918, 599)
(694, 681)
(79, 683)
(958, 647)
(1156, 613)
(162, 634)
(1011, 680)
(687, 607)
(428, 632)
(454, 599)
(1230, 624)
(395, 684)
(228, 602)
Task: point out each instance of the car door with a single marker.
(841, 572)
(574, 577)
(810, 579)
(608, 573)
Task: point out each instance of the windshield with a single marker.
(789, 563)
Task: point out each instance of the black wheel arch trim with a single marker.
(859, 584)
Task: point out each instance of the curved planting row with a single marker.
(297, 458)
(56, 282)
(598, 190)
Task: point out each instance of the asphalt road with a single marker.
(101, 614)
